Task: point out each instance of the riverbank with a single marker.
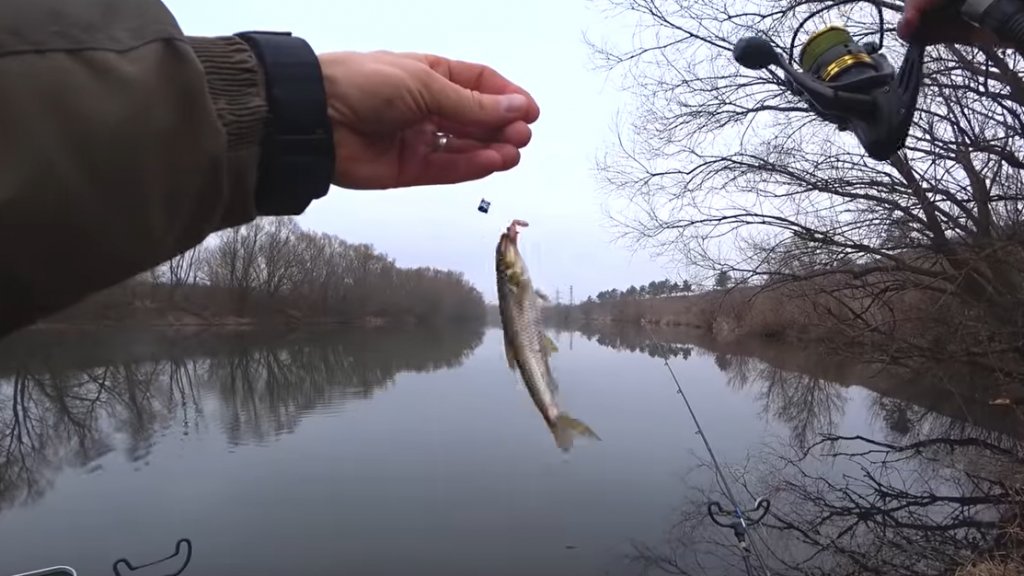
(272, 272)
(184, 321)
(738, 313)
(951, 389)
(906, 326)
(146, 304)
(913, 329)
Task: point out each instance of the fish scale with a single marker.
(527, 345)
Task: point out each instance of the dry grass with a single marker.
(799, 311)
(1011, 568)
(727, 314)
(1006, 559)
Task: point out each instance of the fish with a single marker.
(527, 346)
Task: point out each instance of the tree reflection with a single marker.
(852, 505)
(805, 404)
(60, 411)
(629, 338)
(928, 494)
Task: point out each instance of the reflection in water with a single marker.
(806, 404)
(67, 410)
(859, 506)
(932, 495)
(632, 339)
(860, 483)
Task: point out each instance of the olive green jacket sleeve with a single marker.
(123, 142)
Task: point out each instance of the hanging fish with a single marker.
(527, 345)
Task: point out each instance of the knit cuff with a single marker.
(235, 84)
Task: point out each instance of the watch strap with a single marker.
(297, 151)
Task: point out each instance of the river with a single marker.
(378, 452)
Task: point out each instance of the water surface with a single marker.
(397, 452)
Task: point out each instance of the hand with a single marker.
(935, 22)
(385, 108)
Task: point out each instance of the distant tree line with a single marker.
(274, 269)
(653, 289)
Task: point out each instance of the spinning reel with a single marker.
(855, 87)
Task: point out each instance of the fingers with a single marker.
(460, 139)
(912, 10)
(485, 80)
(459, 105)
(517, 133)
(458, 145)
(935, 22)
(479, 79)
(906, 26)
(452, 168)
(387, 126)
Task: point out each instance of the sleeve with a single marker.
(124, 142)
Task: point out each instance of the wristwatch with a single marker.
(297, 151)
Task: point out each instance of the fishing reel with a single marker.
(853, 86)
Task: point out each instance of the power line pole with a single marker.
(572, 302)
(558, 296)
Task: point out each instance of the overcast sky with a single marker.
(535, 43)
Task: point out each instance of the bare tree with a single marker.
(182, 269)
(272, 269)
(278, 258)
(721, 168)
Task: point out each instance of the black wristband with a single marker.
(297, 152)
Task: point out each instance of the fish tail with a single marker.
(566, 428)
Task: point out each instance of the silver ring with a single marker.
(441, 140)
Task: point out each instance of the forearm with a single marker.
(122, 144)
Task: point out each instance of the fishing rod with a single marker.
(741, 520)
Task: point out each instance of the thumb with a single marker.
(907, 25)
(471, 108)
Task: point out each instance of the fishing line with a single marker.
(742, 522)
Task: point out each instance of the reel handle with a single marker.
(762, 505)
(183, 542)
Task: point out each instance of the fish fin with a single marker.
(549, 344)
(510, 353)
(552, 381)
(540, 295)
(566, 428)
(521, 290)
